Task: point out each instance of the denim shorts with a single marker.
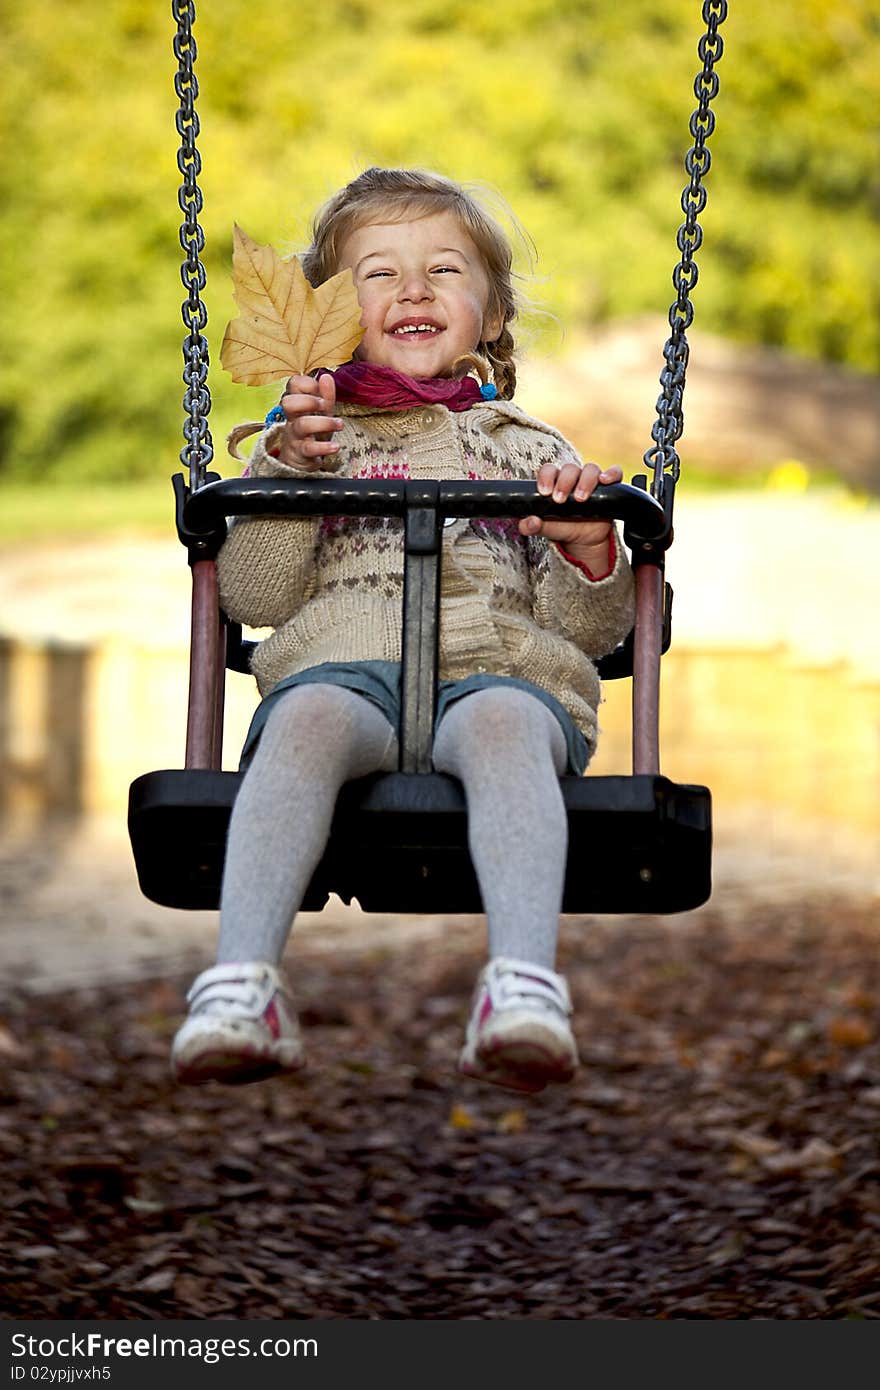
(379, 682)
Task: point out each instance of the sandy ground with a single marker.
(756, 569)
(72, 913)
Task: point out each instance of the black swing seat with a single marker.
(399, 843)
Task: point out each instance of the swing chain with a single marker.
(663, 457)
(198, 450)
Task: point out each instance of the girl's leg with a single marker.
(242, 1023)
(508, 751)
(316, 738)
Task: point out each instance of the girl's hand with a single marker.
(586, 541)
(307, 438)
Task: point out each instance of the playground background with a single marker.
(716, 1156)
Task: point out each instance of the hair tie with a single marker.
(276, 416)
(488, 390)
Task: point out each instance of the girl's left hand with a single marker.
(587, 541)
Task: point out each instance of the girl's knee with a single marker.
(496, 723)
(309, 710)
(334, 723)
(497, 715)
(317, 715)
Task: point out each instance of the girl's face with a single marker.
(424, 292)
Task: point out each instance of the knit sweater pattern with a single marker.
(332, 587)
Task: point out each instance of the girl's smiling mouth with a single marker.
(415, 329)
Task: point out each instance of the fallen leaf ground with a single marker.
(717, 1156)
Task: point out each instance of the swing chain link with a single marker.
(198, 451)
(663, 458)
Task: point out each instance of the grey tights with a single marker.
(504, 745)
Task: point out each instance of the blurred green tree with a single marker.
(575, 109)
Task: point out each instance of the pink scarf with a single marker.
(362, 383)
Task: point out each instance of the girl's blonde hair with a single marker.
(391, 195)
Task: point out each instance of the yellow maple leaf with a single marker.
(285, 326)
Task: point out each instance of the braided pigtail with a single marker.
(501, 358)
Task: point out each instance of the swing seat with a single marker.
(399, 843)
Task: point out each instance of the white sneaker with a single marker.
(518, 1035)
(241, 1026)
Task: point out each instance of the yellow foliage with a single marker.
(577, 113)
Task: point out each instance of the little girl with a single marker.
(524, 609)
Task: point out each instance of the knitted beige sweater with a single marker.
(332, 587)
